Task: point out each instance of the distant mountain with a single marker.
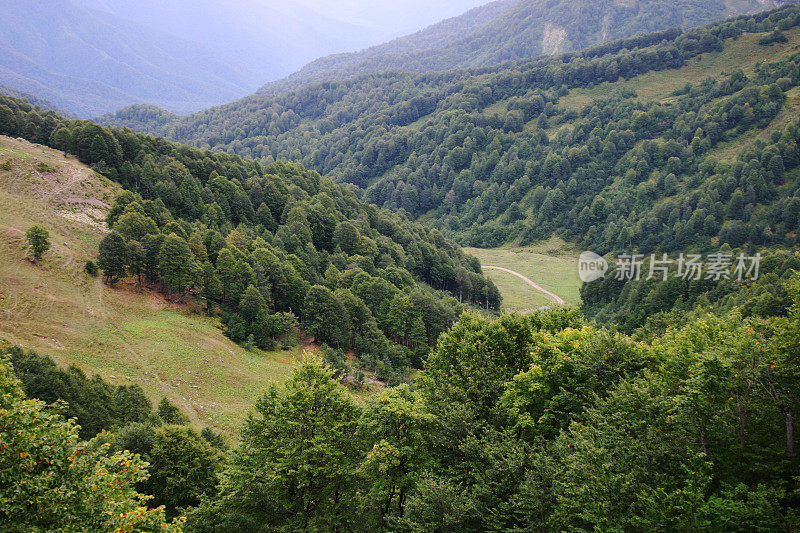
(600, 145)
(277, 37)
(515, 29)
(272, 38)
(38, 102)
(90, 62)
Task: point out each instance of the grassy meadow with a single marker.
(552, 264)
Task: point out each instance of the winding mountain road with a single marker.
(554, 297)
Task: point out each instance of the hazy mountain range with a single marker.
(94, 56)
(91, 57)
(514, 29)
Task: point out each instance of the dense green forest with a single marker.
(270, 245)
(540, 422)
(492, 156)
(649, 306)
(661, 405)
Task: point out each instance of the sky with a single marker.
(277, 37)
(396, 17)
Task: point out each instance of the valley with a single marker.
(351, 301)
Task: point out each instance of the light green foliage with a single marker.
(568, 370)
(475, 359)
(296, 464)
(38, 240)
(50, 479)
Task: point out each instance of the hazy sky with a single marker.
(276, 37)
(395, 16)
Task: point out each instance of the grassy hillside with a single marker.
(269, 247)
(124, 336)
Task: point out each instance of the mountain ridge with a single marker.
(516, 29)
(516, 151)
(90, 64)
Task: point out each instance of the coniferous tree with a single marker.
(112, 257)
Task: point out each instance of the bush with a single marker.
(44, 167)
(775, 37)
(91, 268)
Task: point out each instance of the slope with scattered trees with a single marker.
(59, 307)
(270, 244)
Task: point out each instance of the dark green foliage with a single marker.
(183, 467)
(171, 414)
(91, 268)
(336, 361)
(536, 423)
(96, 404)
(775, 37)
(38, 240)
(190, 226)
(491, 156)
(112, 257)
(177, 266)
(326, 316)
(214, 439)
(136, 437)
(650, 305)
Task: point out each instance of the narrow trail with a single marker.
(554, 297)
(100, 288)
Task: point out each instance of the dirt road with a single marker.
(554, 297)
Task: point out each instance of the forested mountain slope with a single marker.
(124, 336)
(666, 140)
(90, 62)
(515, 29)
(268, 245)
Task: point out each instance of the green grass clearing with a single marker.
(552, 264)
